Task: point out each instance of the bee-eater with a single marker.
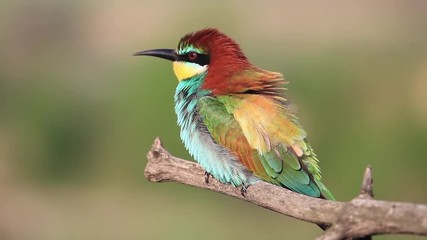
(234, 118)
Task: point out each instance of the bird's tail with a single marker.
(325, 193)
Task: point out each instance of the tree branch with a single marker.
(360, 217)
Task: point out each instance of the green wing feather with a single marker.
(278, 163)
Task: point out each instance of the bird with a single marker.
(235, 119)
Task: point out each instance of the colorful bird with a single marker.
(234, 118)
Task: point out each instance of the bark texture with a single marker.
(360, 218)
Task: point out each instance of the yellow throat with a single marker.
(185, 70)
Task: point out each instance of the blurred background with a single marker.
(78, 113)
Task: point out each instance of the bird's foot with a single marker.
(243, 190)
(207, 176)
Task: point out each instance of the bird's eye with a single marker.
(192, 56)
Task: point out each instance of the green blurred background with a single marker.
(78, 113)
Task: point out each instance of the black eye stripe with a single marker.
(201, 59)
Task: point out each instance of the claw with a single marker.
(207, 176)
(243, 190)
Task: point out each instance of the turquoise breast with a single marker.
(214, 158)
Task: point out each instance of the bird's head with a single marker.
(199, 51)
(213, 53)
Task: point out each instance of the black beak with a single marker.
(168, 54)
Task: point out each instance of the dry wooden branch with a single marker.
(360, 217)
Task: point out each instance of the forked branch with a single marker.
(362, 216)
